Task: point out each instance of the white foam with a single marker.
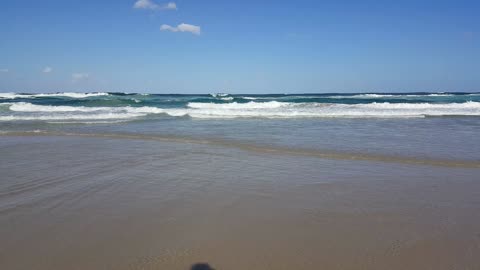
(272, 109)
(28, 111)
(66, 94)
(29, 107)
(8, 95)
(217, 95)
(369, 96)
(423, 106)
(89, 122)
(238, 106)
(102, 116)
(276, 109)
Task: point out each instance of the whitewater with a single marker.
(438, 125)
(101, 106)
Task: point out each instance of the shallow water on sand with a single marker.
(92, 202)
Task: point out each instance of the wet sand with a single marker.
(120, 203)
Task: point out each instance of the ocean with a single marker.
(437, 126)
(104, 107)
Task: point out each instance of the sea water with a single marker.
(420, 125)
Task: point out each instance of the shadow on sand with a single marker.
(201, 266)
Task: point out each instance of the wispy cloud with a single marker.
(184, 27)
(4, 70)
(79, 76)
(171, 5)
(47, 70)
(149, 4)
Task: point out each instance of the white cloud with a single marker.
(149, 4)
(79, 76)
(47, 70)
(145, 4)
(184, 27)
(4, 70)
(171, 5)
(166, 27)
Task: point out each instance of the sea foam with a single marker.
(275, 109)
(65, 94)
(252, 109)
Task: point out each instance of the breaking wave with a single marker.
(273, 109)
(66, 94)
(377, 96)
(28, 111)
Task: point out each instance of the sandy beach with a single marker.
(239, 135)
(112, 203)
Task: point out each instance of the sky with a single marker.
(192, 46)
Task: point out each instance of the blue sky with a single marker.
(191, 46)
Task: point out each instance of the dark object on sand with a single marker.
(202, 266)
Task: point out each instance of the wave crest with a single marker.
(65, 94)
(271, 109)
(275, 109)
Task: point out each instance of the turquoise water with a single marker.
(179, 99)
(120, 106)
